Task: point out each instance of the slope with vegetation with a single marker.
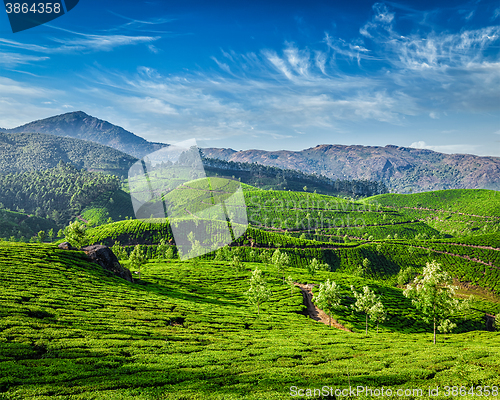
(58, 194)
(187, 330)
(27, 152)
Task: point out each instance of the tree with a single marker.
(161, 250)
(258, 292)
(76, 234)
(365, 303)
(314, 266)
(378, 313)
(41, 236)
(51, 234)
(433, 294)
(237, 264)
(366, 265)
(137, 258)
(328, 298)
(119, 251)
(266, 257)
(290, 281)
(280, 261)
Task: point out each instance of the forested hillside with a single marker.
(20, 152)
(58, 194)
(268, 177)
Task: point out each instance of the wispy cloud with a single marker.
(80, 42)
(13, 59)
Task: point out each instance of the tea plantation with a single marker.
(185, 331)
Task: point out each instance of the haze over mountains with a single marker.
(402, 169)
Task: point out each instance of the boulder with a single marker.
(66, 246)
(103, 256)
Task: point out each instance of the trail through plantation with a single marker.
(314, 312)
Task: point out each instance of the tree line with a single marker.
(58, 194)
(264, 175)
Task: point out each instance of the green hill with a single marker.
(186, 330)
(458, 212)
(25, 152)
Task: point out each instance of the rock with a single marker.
(66, 246)
(103, 256)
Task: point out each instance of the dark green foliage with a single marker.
(58, 194)
(21, 225)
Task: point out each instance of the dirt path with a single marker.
(314, 312)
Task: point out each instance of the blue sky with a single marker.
(266, 74)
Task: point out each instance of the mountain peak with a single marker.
(80, 125)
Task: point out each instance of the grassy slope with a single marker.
(68, 329)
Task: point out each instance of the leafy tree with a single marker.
(433, 294)
(266, 257)
(51, 234)
(76, 234)
(328, 298)
(137, 258)
(161, 250)
(366, 265)
(314, 266)
(405, 276)
(365, 303)
(41, 236)
(237, 264)
(281, 262)
(169, 254)
(119, 251)
(290, 281)
(378, 313)
(258, 292)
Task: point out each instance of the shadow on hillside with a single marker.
(169, 288)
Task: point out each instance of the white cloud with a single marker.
(82, 42)
(13, 59)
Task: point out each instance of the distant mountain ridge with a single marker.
(80, 125)
(401, 168)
